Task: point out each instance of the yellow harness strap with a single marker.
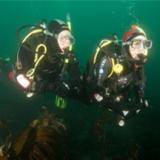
(30, 73)
(112, 70)
(31, 33)
(101, 45)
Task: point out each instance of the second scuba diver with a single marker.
(46, 62)
(114, 77)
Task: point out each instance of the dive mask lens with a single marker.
(138, 43)
(147, 44)
(67, 37)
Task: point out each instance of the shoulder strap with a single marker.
(102, 44)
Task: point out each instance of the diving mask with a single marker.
(65, 39)
(139, 43)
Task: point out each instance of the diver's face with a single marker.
(139, 47)
(65, 39)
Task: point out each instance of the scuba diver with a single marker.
(46, 62)
(114, 76)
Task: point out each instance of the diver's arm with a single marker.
(140, 88)
(65, 85)
(101, 72)
(74, 81)
(140, 83)
(140, 99)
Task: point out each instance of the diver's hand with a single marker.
(61, 88)
(98, 97)
(144, 102)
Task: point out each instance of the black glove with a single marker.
(143, 102)
(61, 88)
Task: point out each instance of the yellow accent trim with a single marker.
(37, 48)
(69, 25)
(31, 71)
(68, 21)
(33, 32)
(66, 60)
(112, 60)
(103, 41)
(70, 28)
(146, 53)
(102, 44)
(117, 68)
(36, 57)
(41, 45)
(106, 44)
(96, 54)
(70, 47)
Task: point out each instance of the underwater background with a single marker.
(93, 132)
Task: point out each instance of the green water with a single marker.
(91, 21)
